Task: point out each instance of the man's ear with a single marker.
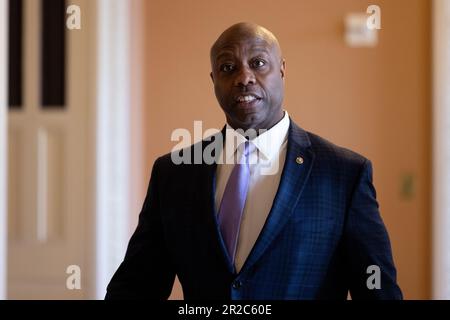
(283, 69)
(212, 77)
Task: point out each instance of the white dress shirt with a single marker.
(266, 166)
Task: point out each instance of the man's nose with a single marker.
(245, 77)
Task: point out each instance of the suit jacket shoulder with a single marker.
(336, 156)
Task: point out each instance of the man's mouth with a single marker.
(248, 102)
(247, 98)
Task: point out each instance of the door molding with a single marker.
(441, 149)
(114, 154)
(3, 139)
(118, 132)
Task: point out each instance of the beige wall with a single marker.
(374, 101)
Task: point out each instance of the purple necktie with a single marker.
(233, 201)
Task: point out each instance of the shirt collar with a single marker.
(268, 143)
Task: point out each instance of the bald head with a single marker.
(248, 75)
(244, 31)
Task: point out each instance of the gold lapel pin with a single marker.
(299, 160)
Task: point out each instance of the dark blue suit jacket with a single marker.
(324, 230)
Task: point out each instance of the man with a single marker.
(300, 221)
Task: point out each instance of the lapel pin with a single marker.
(299, 160)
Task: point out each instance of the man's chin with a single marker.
(249, 121)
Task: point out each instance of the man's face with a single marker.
(248, 77)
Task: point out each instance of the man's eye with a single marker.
(258, 63)
(226, 68)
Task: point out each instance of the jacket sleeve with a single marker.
(146, 272)
(370, 266)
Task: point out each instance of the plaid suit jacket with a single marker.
(324, 235)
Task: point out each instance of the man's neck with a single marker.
(261, 129)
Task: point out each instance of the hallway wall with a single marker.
(374, 101)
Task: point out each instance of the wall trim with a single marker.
(3, 145)
(112, 138)
(441, 149)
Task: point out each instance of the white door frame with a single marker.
(3, 139)
(441, 149)
(118, 132)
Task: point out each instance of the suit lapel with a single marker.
(297, 167)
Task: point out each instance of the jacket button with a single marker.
(237, 284)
